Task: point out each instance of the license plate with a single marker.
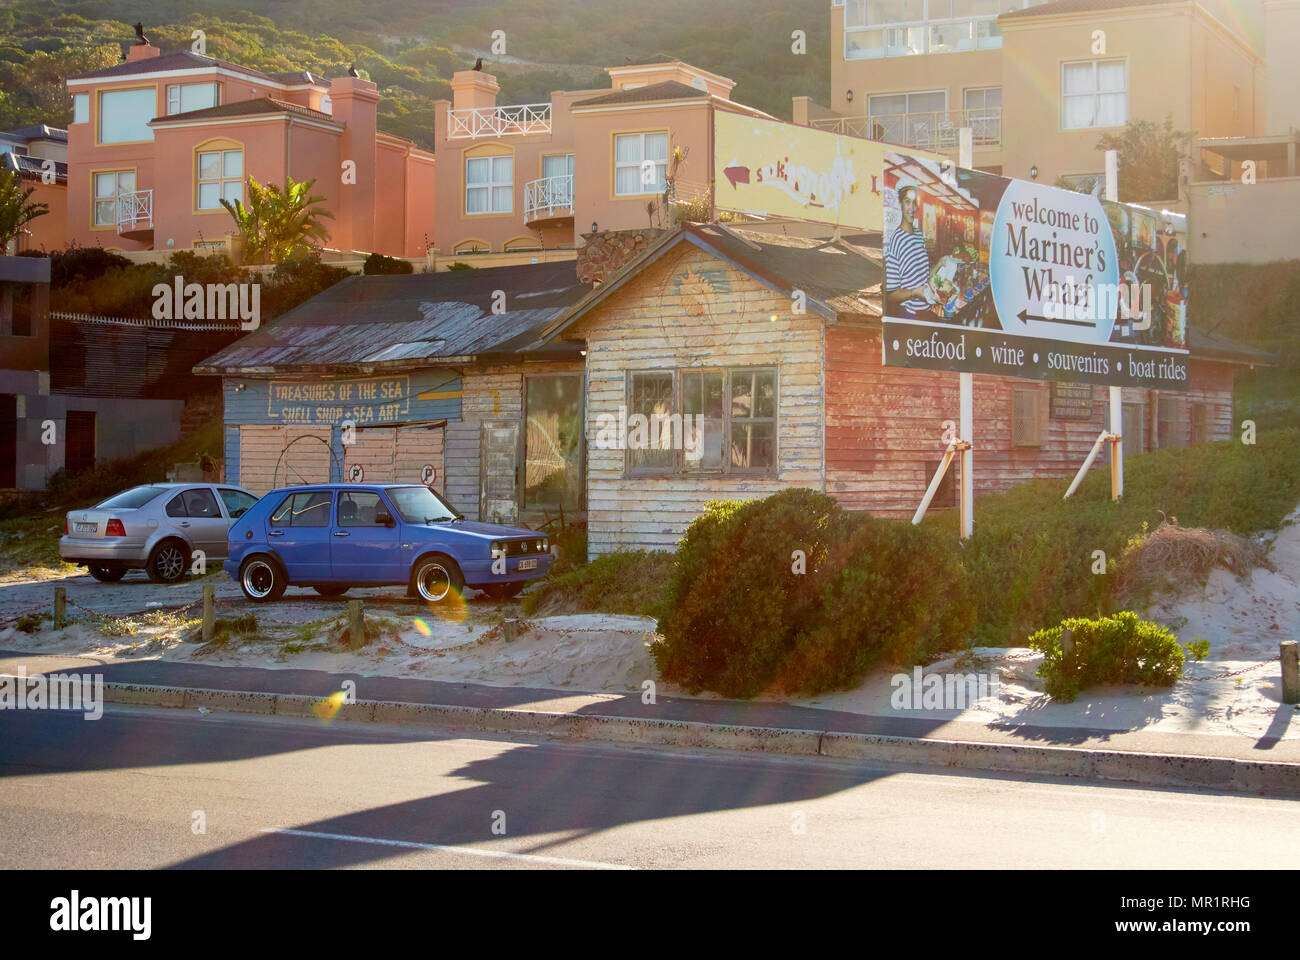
(527, 564)
(86, 527)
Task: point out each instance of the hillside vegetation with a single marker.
(410, 48)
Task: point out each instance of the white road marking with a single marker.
(411, 845)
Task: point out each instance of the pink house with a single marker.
(158, 140)
(537, 176)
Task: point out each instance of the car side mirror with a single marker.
(384, 517)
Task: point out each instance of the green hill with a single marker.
(411, 47)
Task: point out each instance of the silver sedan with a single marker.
(158, 527)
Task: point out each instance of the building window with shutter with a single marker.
(1028, 417)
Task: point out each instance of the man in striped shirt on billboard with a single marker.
(907, 263)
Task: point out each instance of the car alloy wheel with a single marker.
(168, 563)
(436, 579)
(258, 579)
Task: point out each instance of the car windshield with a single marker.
(131, 499)
(421, 505)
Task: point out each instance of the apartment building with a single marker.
(1249, 179)
(1038, 82)
(158, 140)
(39, 156)
(529, 177)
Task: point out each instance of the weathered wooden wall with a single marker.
(693, 310)
(487, 393)
(884, 425)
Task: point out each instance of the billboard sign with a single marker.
(989, 275)
(777, 169)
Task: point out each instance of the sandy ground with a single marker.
(1235, 692)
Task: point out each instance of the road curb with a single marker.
(1147, 769)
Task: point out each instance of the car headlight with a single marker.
(498, 549)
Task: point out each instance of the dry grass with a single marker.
(1174, 558)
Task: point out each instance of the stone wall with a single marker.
(608, 251)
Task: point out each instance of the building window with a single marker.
(916, 118)
(640, 163)
(1094, 93)
(489, 184)
(1200, 423)
(1170, 430)
(553, 442)
(124, 115)
(902, 28)
(220, 177)
(81, 108)
(522, 245)
(1028, 417)
(715, 421)
(984, 114)
(184, 97)
(109, 185)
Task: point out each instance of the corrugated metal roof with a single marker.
(371, 322)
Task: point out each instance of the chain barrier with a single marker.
(1233, 673)
(14, 616)
(127, 616)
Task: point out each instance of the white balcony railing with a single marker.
(548, 197)
(930, 130)
(135, 211)
(499, 121)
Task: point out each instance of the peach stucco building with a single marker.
(1037, 82)
(160, 139)
(538, 176)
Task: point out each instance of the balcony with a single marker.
(550, 198)
(135, 215)
(931, 130)
(522, 119)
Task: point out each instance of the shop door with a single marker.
(499, 471)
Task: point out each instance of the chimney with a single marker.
(471, 89)
(356, 107)
(141, 51)
(609, 251)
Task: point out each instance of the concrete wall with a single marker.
(1219, 213)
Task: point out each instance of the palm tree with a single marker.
(279, 222)
(16, 208)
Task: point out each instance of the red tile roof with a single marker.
(246, 108)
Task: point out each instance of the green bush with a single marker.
(377, 263)
(1118, 649)
(735, 602)
(898, 594)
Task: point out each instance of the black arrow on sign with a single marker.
(1025, 316)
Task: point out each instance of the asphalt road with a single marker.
(129, 789)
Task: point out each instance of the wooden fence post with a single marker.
(356, 625)
(209, 610)
(60, 607)
(1290, 671)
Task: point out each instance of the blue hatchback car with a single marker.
(335, 536)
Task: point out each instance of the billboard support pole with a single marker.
(1116, 395)
(966, 159)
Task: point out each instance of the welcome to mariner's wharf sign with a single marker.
(369, 400)
(989, 275)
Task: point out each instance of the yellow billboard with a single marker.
(777, 169)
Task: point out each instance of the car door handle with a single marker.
(184, 523)
(341, 533)
(276, 533)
